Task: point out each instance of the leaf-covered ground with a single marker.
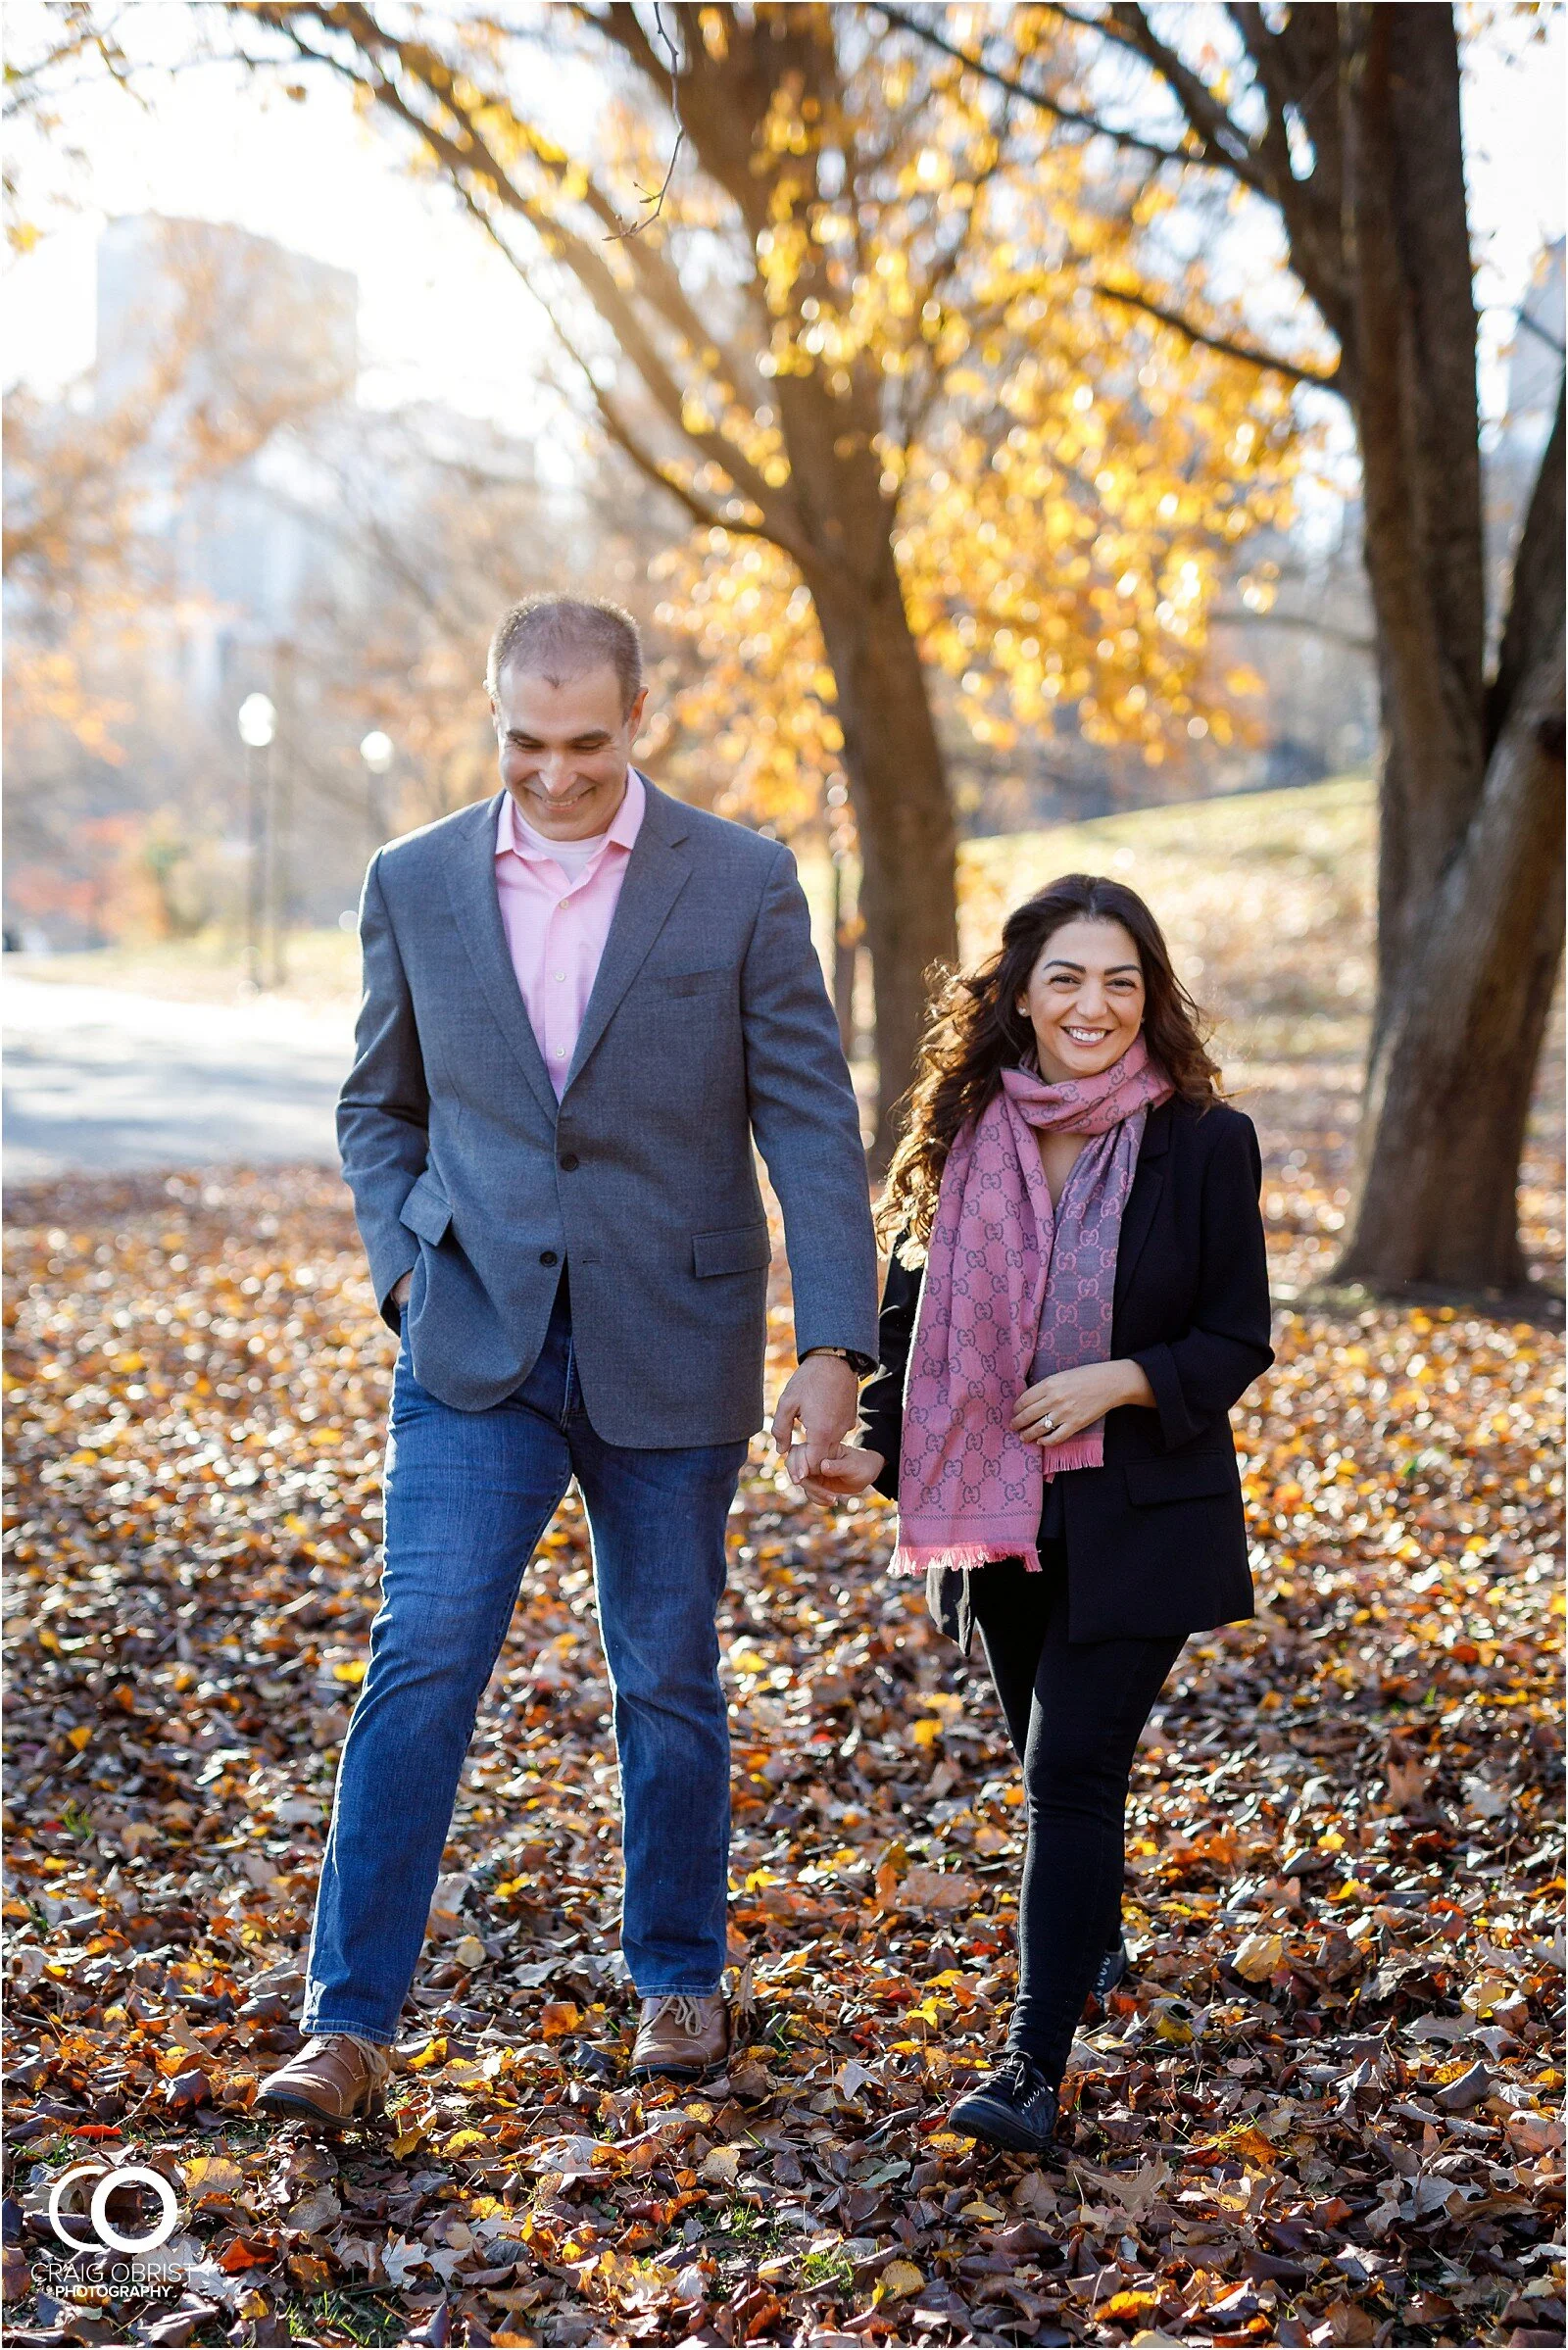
(1323, 2109)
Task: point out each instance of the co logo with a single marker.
(110, 2181)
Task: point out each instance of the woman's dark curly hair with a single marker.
(976, 1031)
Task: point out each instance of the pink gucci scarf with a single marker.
(1015, 1291)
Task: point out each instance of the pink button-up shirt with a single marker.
(557, 927)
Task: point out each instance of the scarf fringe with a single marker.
(959, 1558)
(1085, 1450)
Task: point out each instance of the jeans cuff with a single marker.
(679, 1991)
(318, 2028)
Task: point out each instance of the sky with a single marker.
(443, 316)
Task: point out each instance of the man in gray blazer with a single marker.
(584, 1003)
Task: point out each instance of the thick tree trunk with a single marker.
(836, 521)
(1454, 1061)
(1449, 1084)
(1470, 869)
(899, 791)
(1415, 400)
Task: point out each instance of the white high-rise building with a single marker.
(236, 341)
(1516, 445)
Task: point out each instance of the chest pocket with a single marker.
(694, 982)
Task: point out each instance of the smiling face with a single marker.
(565, 746)
(1085, 999)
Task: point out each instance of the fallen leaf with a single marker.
(316, 2212)
(212, 2178)
(1483, 1797)
(1258, 1955)
(897, 2280)
(935, 1889)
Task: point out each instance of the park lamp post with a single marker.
(377, 753)
(258, 722)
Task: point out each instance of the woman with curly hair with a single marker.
(1077, 1296)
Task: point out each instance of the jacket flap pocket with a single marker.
(1181, 1480)
(746, 1249)
(426, 1211)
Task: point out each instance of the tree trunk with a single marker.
(899, 791)
(833, 518)
(1470, 866)
(1449, 1084)
(1414, 395)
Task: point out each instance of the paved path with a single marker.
(101, 1081)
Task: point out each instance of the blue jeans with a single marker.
(468, 1496)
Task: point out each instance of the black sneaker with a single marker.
(1112, 1968)
(1015, 2106)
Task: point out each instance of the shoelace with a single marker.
(1020, 2075)
(686, 2009)
(319, 2045)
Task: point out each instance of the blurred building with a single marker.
(1513, 449)
(234, 339)
(213, 513)
(292, 322)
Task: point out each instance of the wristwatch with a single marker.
(862, 1366)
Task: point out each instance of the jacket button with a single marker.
(547, 1256)
(568, 1159)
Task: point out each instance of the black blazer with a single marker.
(1157, 1539)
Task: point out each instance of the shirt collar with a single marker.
(622, 831)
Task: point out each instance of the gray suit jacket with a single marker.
(708, 1024)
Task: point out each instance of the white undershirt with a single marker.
(573, 856)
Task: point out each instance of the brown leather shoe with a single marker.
(336, 2077)
(682, 2036)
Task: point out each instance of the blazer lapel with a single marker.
(1149, 1180)
(471, 884)
(656, 871)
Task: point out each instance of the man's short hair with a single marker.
(558, 637)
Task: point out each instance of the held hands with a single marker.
(845, 1473)
(1072, 1401)
(1058, 1407)
(821, 1405)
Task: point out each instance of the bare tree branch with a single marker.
(1533, 327)
(1271, 362)
(658, 200)
(1224, 144)
(708, 518)
(1236, 616)
(469, 156)
(1093, 125)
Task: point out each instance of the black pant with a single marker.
(1074, 1713)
